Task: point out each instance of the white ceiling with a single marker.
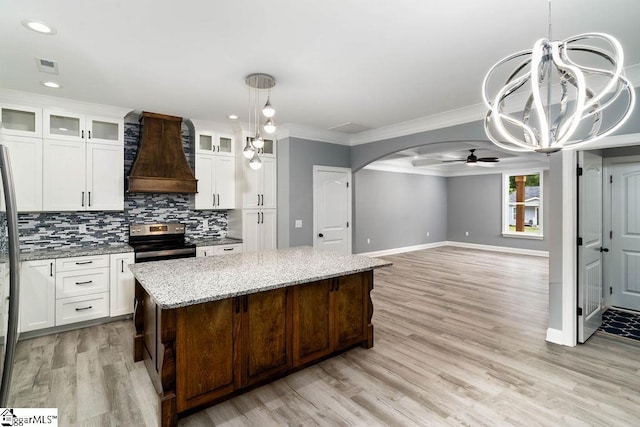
(366, 63)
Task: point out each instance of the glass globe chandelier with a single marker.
(567, 87)
(258, 82)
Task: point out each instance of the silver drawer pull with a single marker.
(84, 308)
(84, 283)
(84, 262)
(227, 249)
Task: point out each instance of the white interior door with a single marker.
(590, 252)
(625, 241)
(332, 208)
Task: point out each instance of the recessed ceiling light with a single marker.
(39, 27)
(233, 117)
(53, 85)
(416, 157)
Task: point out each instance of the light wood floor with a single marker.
(460, 340)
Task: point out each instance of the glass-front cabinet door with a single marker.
(20, 120)
(205, 142)
(104, 129)
(225, 144)
(64, 125)
(269, 148)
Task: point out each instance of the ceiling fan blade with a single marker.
(453, 161)
(489, 159)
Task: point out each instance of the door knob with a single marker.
(604, 249)
(320, 235)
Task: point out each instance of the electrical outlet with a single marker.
(82, 228)
(466, 233)
(427, 234)
(298, 223)
(368, 241)
(205, 224)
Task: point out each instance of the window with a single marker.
(522, 205)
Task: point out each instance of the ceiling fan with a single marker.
(472, 159)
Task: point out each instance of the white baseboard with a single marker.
(404, 249)
(395, 251)
(555, 336)
(498, 249)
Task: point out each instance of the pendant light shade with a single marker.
(255, 163)
(248, 151)
(269, 126)
(258, 142)
(268, 110)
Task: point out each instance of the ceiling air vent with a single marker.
(349, 127)
(47, 66)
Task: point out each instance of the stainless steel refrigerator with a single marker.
(9, 275)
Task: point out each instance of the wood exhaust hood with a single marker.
(161, 165)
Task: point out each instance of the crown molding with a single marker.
(61, 104)
(307, 132)
(437, 121)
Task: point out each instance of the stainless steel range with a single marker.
(155, 242)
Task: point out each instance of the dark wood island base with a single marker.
(201, 354)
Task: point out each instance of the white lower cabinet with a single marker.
(69, 290)
(259, 229)
(37, 295)
(85, 307)
(82, 288)
(203, 251)
(122, 292)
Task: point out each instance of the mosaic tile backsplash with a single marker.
(54, 230)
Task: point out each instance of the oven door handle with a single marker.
(164, 253)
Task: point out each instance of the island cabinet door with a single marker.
(266, 335)
(206, 343)
(313, 321)
(351, 301)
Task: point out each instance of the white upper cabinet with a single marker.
(19, 120)
(105, 177)
(25, 155)
(106, 130)
(208, 142)
(216, 182)
(64, 174)
(82, 177)
(64, 125)
(259, 187)
(71, 126)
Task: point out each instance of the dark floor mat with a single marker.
(622, 323)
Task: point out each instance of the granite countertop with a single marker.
(73, 251)
(182, 282)
(215, 241)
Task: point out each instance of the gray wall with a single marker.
(296, 201)
(474, 204)
(396, 210)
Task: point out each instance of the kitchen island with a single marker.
(211, 328)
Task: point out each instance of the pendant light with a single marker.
(578, 111)
(269, 126)
(256, 83)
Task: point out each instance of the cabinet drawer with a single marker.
(227, 249)
(82, 263)
(78, 309)
(84, 282)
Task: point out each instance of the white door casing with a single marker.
(332, 208)
(590, 252)
(625, 242)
